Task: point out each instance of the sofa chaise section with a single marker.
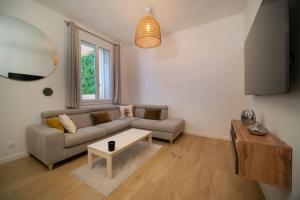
(168, 129)
(165, 128)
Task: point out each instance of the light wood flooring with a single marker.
(193, 168)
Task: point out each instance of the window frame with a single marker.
(99, 44)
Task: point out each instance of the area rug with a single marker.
(124, 164)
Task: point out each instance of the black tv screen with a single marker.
(267, 50)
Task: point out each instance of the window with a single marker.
(88, 72)
(105, 74)
(96, 70)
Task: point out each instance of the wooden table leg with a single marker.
(109, 167)
(90, 159)
(150, 139)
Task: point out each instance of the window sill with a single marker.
(89, 104)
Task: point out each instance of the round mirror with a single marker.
(26, 53)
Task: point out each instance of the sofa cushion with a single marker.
(82, 120)
(126, 111)
(152, 113)
(112, 109)
(130, 119)
(115, 125)
(139, 112)
(54, 122)
(147, 124)
(55, 113)
(164, 114)
(169, 125)
(83, 135)
(67, 123)
(114, 114)
(100, 118)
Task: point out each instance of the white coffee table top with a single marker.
(123, 139)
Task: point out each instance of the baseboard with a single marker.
(13, 157)
(208, 135)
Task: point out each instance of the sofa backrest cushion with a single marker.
(82, 117)
(152, 113)
(82, 120)
(100, 117)
(85, 119)
(114, 114)
(164, 114)
(55, 113)
(139, 110)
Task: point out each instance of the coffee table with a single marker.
(123, 140)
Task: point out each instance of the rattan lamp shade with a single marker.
(147, 33)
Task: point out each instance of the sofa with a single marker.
(51, 145)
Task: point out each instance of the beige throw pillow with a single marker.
(126, 111)
(67, 123)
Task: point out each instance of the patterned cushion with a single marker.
(126, 111)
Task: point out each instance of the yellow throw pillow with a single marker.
(54, 122)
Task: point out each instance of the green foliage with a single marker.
(88, 74)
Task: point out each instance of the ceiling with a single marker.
(117, 19)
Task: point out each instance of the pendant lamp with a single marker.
(147, 33)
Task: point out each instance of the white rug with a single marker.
(124, 164)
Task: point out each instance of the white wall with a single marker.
(281, 114)
(197, 72)
(22, 102)
(251, 8)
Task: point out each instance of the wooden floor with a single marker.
(192, 168)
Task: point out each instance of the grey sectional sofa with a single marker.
(51, 145)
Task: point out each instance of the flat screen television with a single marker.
(266, 50)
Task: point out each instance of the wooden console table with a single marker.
(261, 158)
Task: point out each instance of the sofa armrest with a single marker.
(44, 142)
